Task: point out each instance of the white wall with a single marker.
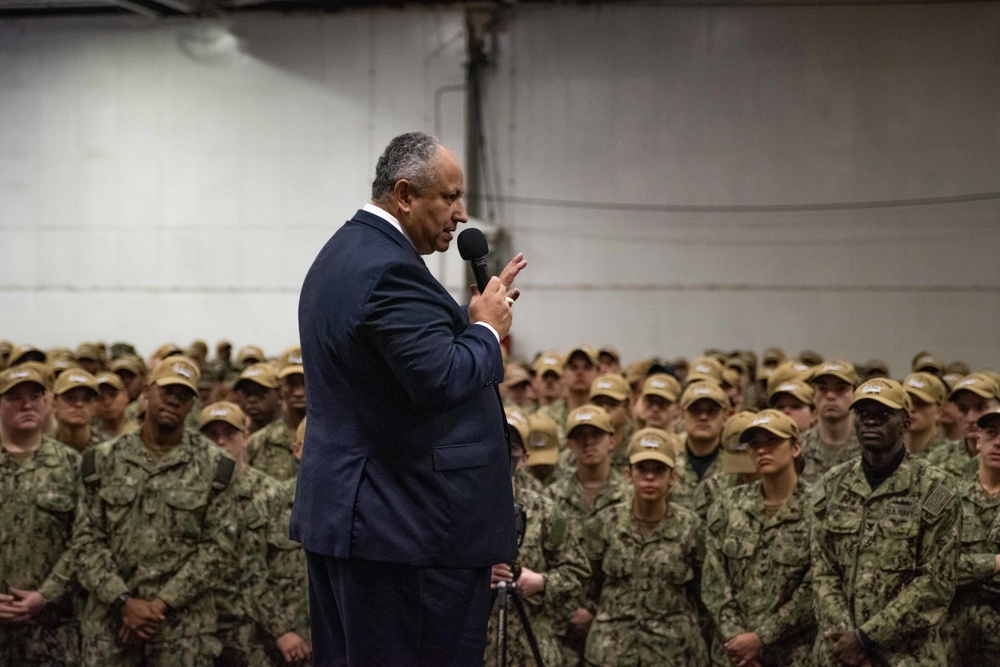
(156, 185)
(173, 180)
(667, 108)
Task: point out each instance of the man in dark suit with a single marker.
(404, 496)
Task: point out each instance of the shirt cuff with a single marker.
(490, 327)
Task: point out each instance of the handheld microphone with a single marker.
(473, 248)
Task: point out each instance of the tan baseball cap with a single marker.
(797, 388)
(262, 374)
(87, 351)
(771, 421)
(785, 371)
(26, 372)
(637, 371)
(515, 374)
(652, 444)
(73, 378)
(168, 350)
(586, 351)
(22, 353)
(223, 411)
(611, 351)
(928, 388)
(250, 353)
(959, 367)
(730, 377)
(699, 390)
(61, 364)
(291, 369)
(110, 379)
(662, 385)
(611, 385)
(838, 369)
(739, 364)
(988, 418)
(518, 422)
(542, 444)
(775, 354)
(292, 356)
(705, 368)
(876, 365)
(588, 415)
(176, 369)
(885, 391)
(130, 363)
(810, 357)
(927, 360)
(549, 362)
(735, 457)
(952, 379)
(980, 384)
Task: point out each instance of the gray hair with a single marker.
(409, 156)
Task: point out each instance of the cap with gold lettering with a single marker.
(518, 422)
(611, 385)
(885, 391)
(586, 350)
(72, 378)
(588, 415)
(20, 374)
(927, 362)
(735, 457)
(223, 411)
(928, 388)
(662, 385)
(262, 374)
(838, 369)
(797, 388)
(250, 354)
(772, 421)
(652, 444)
(542, 444)
(708, 390)
(176, 369)
(980, 384)
(109, 379)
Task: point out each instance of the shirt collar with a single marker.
(388, 217)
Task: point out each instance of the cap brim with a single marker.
(922, 395)
(879, 399)
(22, 381)
(978, 391)
(548, 457)
(745, 436)
(607, 394)
(252, 381)
(293, 369)
(166, 381)
(650, 456)
(988, 419)
(662, 393)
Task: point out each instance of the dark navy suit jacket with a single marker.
(405, 458)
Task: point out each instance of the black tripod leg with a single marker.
(528, 633)
(501, 603)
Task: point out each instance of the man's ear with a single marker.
(402, 194)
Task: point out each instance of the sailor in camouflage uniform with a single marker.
(579, 372)
(270, 449)
(39, 483)
(886, 536)
(646, 556)
(74, 406)
(611, 392)
(246, 597)
(973, 625)
(704, 405)
(553, 570)
(735, 469)
(832, 440)
(154, 527)
(974, 396)
(927, 395)
(593, 486)
(756, 581)
(286, 564)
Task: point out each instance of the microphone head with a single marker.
(472, 244)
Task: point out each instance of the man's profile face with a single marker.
(436, 213)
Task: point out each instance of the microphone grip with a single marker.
(479, 271)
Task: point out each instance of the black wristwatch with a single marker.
(119, 602)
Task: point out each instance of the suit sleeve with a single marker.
(411, 324)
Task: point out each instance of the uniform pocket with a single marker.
(117, 501)
(897, 546)
(459, 457)
(56, 501)
(186, 511)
